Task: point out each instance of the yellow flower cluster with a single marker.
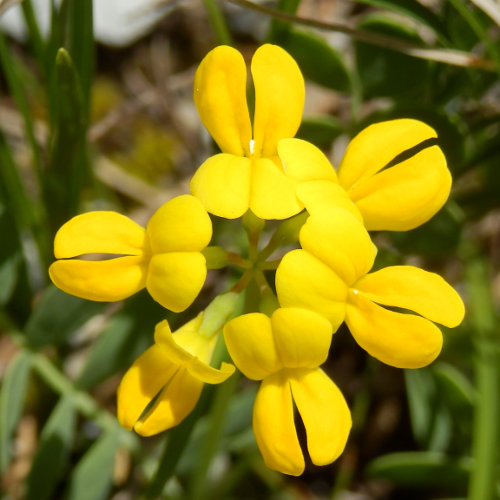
(263, 170)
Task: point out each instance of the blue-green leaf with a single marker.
(92, 477)
(12, 396)
(54, 448)
(57, 316)
(421, 470)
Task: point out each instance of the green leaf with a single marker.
(68, 169)
(16, 84)
(55, 445)
(92, 477)
(384, 72)
(413, 10)
(12, 396)
(81, 44)
(128, 334)
(420, 389)
(10, 256)
(321, 131)
(318, 61)
(455, 387)
(421, 470)
(57, 316)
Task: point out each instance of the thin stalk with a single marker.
(446, 56)
(472, 20)
(176, 442)
(82, 401)
(486, 432)
(224, 393)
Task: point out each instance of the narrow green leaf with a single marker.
(421, 470)
(12, 396)
(413, 10)
(455, 387)
(420, 389)
(12, 191)
(57, 316)
(36, 42)
(55, 445)
(12, 75)
(218, 22)
(81, 45)
(92, 477)
(318, 61)
(10, 255)
(128, 334)
(67, 170)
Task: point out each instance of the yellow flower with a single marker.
(164, 384)
(248, 174)
(329, 275)
(398, 197)
(285, 352)
(165, 257)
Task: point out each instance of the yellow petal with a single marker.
(375, 146)
(319, 196)
(324, 412)
(406, 195)
(103, 280)
(302, 337)
(220, 97)
(222, 184)
(250, 343)
(340, 241)
(180, 225)
(99, 232)
(274, 427)
(141, 383)
(279, 98)
(174, 404)
(400, 340)
(412, 288)
(272, 193)
(193, 352)
(303, 161)
(304, 281)
(176, 278)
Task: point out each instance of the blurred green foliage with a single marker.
(445, 441)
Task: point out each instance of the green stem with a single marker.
(82, 401)
(217, 417)
(177, 440)
(486, 432)
(446, 56)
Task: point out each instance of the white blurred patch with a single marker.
(116, 22)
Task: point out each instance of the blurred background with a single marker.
(96, 112)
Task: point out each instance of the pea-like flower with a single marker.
(248, 173)
(285, 352)
(164, 384)
(165, 257)
(392, 187)
(330, 275)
